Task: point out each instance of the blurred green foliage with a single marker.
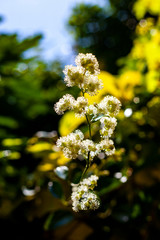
(34, 199)
(107, 32)
(28, 87)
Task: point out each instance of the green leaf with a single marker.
(8, 122)
(55, 189)
(58, 219)
(97, 118)
(115, 184)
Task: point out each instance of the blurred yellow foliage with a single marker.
(144, 26)
(126, 83)
(15, 155)
(109, 87)
(9, 142)
(39, 147)
(141, 7)
(152, 80)
(61, 159)
(152, 53)
(146, 52)
(68, 123)
(45, 167)
(9, 154)
(147, 45)
(121, 87)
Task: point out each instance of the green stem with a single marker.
(88, 122)
(90, 136)
(86, 167)
(89, 126)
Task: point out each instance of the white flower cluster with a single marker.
(68, 102)
(86, 147)
(84, 75)
(109, 105)
(64, 103)
(88, 62)
(73, 146)
(83, 197)
(108, 125)
(107, 146)
(80, 106)
(71, 143)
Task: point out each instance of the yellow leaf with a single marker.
(45, 167)
(152, 80)
(15, 155)
(68, 123)
(54, 155)
(126, 83)
(59, 156)
(39, 147)
(12, 142)
(141, 7)
(109, 87)
(62, 160)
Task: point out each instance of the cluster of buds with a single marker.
(85, 76)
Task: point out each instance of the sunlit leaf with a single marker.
(15, 155)
(39, 147)
(59, 157)
(109, 87)
(9, 142)
(45, 167)
(68, 123)
(8, 122)
(152, 80)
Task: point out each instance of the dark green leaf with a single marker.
(55, 189)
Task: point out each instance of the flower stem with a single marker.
(88, 122)
(89, 126)
(90, 136)
(86, 167)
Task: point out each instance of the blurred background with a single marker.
(37, 39)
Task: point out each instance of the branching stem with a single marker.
(90, 136)
(89, 126)
(86, 167)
